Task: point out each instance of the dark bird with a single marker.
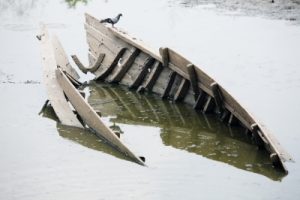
(112, 21)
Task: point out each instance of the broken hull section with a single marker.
(68, 103)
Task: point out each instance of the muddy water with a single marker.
(189, 155)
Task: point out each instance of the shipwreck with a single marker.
(118, 58)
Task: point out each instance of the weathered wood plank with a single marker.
(91, 118)
(168, 87)
(62, 58)
(111, 67)
(232, 121)
(217, 96)
(164, 53)
(142, 74)
(193, 79)
(200, 100)
(55, 93)
(182, 90)
(154, 74)
(209, 105)
(124, 67)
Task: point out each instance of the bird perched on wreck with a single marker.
(112, 21)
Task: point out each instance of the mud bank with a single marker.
(275, 9)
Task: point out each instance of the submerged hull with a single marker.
(116, 57)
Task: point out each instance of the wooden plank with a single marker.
(154, 74)
(62, 58)
(91, 118)
(218, 97)
(225, 116)
(164, 53)
(111, 67)
(179, 64)
(258, 140)
(92, 68)
(106, 40)
(200, 100)
(193, 79)
(55, 93)
(232, 121)
(168, 87)
(124, 67)
(209, 105)
(142, 74)
(182, 90)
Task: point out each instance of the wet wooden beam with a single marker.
(165, 56)
(225, 116)
(168, 87)
(182, 90)
(124, 67)
(218, 97)
(200, 100)
(193, 79)
(110, 68)
(141, 76)
(258, 140)
(233, 121)
(209, 105)
(91, 68)
(154, 74)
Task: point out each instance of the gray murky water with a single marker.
(189, 155)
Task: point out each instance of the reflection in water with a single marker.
(183, 128)
(82, 136)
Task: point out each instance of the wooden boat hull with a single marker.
(128, 61)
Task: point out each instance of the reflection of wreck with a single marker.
(115, 57)
(82, 136)
(183, 128)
